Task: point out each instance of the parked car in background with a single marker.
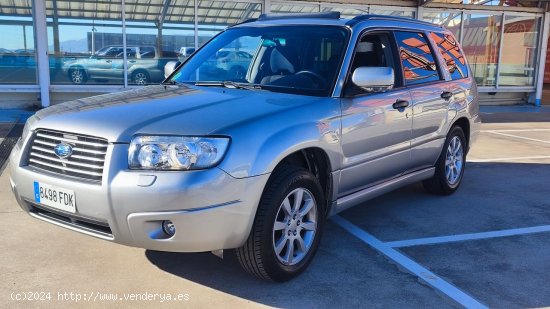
(234, 62)
(7, 57)
(185, 52)
(328, 114)
(145, 65)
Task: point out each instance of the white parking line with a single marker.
(464, 237)
(421, 272)
(520, 137)
(507, 159)
(517, 130)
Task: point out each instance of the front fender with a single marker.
(256, 150)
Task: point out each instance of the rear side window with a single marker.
(454, 59)
(147, 52)
(416, 58)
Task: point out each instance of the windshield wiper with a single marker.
(230, 84)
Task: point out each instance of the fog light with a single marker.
(168, 227)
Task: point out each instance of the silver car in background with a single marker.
(328, 113)
(145, 65)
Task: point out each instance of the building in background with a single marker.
(56, 50)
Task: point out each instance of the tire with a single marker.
(449, 169)
(78, 76)
(258, 256)
(140, 78)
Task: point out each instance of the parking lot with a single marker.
(486, 245)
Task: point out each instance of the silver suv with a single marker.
(330, 112)
(144, 65)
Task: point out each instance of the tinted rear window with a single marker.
(416, 58)
(455, 62)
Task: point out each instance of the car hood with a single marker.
(160, 109)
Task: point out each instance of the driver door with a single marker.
(376, 135)
(102, 68)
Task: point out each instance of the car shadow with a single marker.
(492, 114)
(344, 273)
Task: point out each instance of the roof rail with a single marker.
(249, 20)
(323, 15)
(360, 18)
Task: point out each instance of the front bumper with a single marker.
(210, 209)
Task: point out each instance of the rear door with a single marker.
(430, 97)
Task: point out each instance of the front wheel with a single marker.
(287, 227)
(77, 76)
(449, 168)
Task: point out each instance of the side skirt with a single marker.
(356, 198)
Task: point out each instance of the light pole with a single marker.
(93, 39)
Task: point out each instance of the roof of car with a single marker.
(333, 18)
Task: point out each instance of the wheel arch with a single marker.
(317, 162)
(76, 67)
(464, 124)
(137, 70)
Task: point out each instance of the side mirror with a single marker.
(170, 67)
(373, 79)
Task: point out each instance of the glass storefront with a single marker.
(155, 35)
(510, 63)
(347, 11)
(17, 52)
(519, 50)
(392, 12)
(281, 7)
(85, 39)
(88, 49)
(449, 20)
(214, 16)
(480, 40)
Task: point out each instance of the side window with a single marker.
(455, 62)
(147, 52)
(112, 52)
(373, 50)
(416, 58)
(130, 53)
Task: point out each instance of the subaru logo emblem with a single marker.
(63, 150)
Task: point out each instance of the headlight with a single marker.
(176, 152)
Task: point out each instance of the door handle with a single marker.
(446, 95)
(109, 61)
(400, 104)
(132, 61)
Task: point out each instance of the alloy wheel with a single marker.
(140, 78)
(454, 161)
(77, 76)
(295, 226)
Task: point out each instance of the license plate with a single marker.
(55, 197)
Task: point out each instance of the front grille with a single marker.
(96, 228)
(86, 161)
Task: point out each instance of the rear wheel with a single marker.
(287, 227)
(449, 168)
(140, 78)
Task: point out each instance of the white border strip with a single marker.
(422, 273)
(517, 130)
(464, 237)
(520, 137)
(473, 160)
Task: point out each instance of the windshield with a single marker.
(292, 59)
